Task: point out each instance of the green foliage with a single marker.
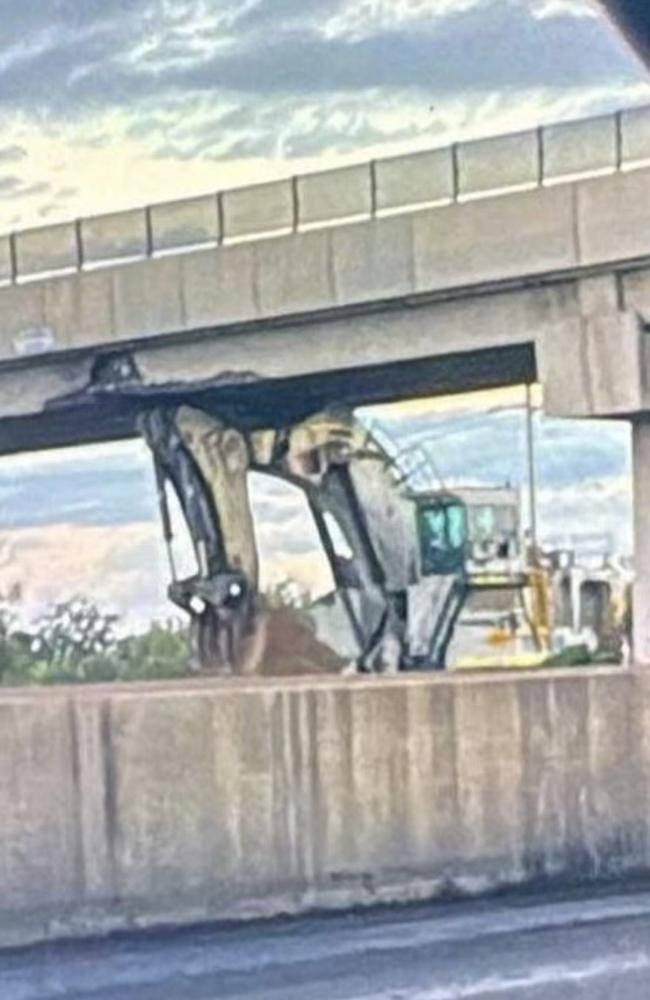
(162, 652)
(75, 642)
(572, 656)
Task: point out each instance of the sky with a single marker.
(86, 520)
(106, 104)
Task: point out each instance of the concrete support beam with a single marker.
(641, 603)
(600, 367)
(595, 366)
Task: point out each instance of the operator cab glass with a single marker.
(443, 534)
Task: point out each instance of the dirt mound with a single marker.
(292, 646)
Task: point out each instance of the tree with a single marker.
(76, 642)
(161, 652)
(70, 636)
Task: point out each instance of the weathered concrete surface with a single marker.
(168, 804)
(329, 278)
(596, 366)
(594, 223)
(641, 488)
(328, 309)
(398, 349)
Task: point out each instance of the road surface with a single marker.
(554, 948)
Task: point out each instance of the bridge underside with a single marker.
(103, 413)
(275, 373)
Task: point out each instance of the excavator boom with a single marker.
(366, 521)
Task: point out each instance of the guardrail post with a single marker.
(220, 219)
(539, 131)
(455, 172)
(148, 225)
(295, 205)
(373, 189)
(13, 259)
(618, 134)
(78, 245)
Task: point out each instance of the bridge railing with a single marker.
(438, 176)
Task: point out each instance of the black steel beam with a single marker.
(270, 402)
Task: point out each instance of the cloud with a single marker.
(92, 513)
(587, 509)
(9, 185)
(119, 567)
(486, 48)
(12, 154)
(172, 99)
(123, 52)
(77, 487)
(575, 8)
(491, 448)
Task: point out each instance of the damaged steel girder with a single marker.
(80, 399)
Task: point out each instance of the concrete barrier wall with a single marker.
(595, 224)
(164, 804)
(607, 143)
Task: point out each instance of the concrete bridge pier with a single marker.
(602, 370)
(641, 474)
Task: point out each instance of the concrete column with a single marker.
(641, 486)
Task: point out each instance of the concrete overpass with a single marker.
(502, 260)
(438, 271)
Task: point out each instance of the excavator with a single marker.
(397, 560)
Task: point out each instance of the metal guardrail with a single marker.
(438, 176)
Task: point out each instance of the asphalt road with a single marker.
(556, 948)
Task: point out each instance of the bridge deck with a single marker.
(416, 295)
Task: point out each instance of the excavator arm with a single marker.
(207, 465)
(365, 521)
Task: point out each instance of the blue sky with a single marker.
(87, 520)
(107, 103)
(110, 103)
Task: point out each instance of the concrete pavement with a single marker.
(553, 947)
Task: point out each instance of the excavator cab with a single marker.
(443, 534)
